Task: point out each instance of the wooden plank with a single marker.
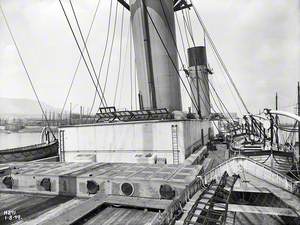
(138, 202)
(251, 189)
(260, 210)
(27, 206)
(122, 216)
(52, 213)
(73, 215)
(102, 216)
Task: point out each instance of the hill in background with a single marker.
(23, 108)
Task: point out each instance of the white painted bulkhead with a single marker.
(132, 142)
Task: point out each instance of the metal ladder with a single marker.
(62, 145)
(175, 144)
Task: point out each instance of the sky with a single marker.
(258, 41)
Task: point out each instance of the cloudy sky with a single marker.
(258, 41)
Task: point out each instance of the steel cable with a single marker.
(26, 71)
(103, 56)
(103, 101)
(79, 60)
(79, 48)
(120, 56)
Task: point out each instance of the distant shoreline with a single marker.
(34, 129)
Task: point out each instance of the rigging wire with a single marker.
(221, 102)
(222, 107)
(103, 101)
(181, 38)
(183, 45)
(103, 56)
(191, 36)
(124, 67)
(135, 88)
(187, 29)
(26, 71)
(187, 12)
(219, 56)
(130, 71)
(226, 81)
(79, 60)
(111, 46)
(79, 48)
(120, 55)
(207, 100)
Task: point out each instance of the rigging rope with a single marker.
(191, 36)
(26, 71)
(187, 12)
(111, 46)
(79, 48)
(124, 66)
(79, 60)
(103, 101)
(120, 55)
(187, 29)
(103, 56)
(222, 104)
(219, 56)
(181, 38)
(226, 81)
(135, 88)
(130, 64)
(207, 100)
(220, 100)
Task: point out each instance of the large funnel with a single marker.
(199, 80)
(158, 80)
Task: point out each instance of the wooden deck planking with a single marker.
(122, 216)
(27, 206)
(256, 183)
(52, 213)
(138, 202)
(255, 219)
(259, 210)
(72, 215)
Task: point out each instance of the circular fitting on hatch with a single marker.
(127, 189)
(92, 186)
(46, 184)
(8, 182)
(166, 191)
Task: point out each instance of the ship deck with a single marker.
(79, 193)
(110, 207)
(39, 209)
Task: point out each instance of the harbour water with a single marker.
(13, 140)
